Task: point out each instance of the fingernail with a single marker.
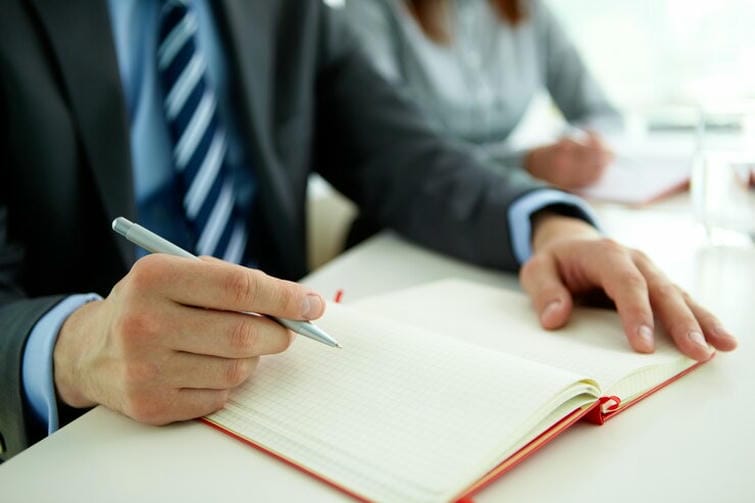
(698, 339)
(551, 309)
(645, 334)
(311, 306)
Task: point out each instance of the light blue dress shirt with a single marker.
(134, 24)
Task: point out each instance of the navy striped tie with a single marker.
(199, 139)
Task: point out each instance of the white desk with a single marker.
(691, 442)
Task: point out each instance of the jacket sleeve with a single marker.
(375, 147)
(17, 318)
(18, 315)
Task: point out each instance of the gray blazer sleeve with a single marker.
(18, 315)
(375, 147)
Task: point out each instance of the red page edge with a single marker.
(599, 417)
(526, 451)
(286, 460)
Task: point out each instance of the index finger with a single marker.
(625, 284)
(224, 286)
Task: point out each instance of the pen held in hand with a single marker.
(590, 140)
(156, 244)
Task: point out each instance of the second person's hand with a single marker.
(569, 163)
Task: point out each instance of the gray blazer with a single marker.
(479, 86)
(308, 101)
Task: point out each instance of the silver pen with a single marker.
(156, 244)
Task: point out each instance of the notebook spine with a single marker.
(607, 405)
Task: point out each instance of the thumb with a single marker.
(542, 282)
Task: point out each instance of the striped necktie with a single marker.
(199, 139)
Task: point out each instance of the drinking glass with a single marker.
(723, 177)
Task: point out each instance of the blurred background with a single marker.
(679, 70)
(657, 59)
(656, 55)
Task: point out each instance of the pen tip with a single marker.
(339, 346)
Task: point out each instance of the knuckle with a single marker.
(530, 268)
(632, 280)
(146, 409)
(243, 286)
(668, 291)
(629, 282)
(679, 329)
(145, 272)
(610, 247)
(690, 301)
(133, 330)
(133, 323)
(119, 287)
(285, 299)
(635, 312)
(244, 337)
(237, 371)
(137, 374)
(285, 342)
(640, 257)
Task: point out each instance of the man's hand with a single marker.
(170, 341)
(571, 258)
(569, 164)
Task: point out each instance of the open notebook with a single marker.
(438, 390)
(641, 180)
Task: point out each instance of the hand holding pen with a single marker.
(575, 161)
(171, 340)
(156, 244)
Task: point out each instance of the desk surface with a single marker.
(693, 441)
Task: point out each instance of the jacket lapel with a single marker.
(81, 40)
(249, 41)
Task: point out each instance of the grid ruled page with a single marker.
(397, 414)
(592, 343)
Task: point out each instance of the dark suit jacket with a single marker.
(307, 100)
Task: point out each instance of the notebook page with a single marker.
(593, 343)
(639, 181)
(397, 414)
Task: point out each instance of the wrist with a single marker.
(549, 228)
(68, 357)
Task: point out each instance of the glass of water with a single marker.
(723, 178)
(724, 195)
